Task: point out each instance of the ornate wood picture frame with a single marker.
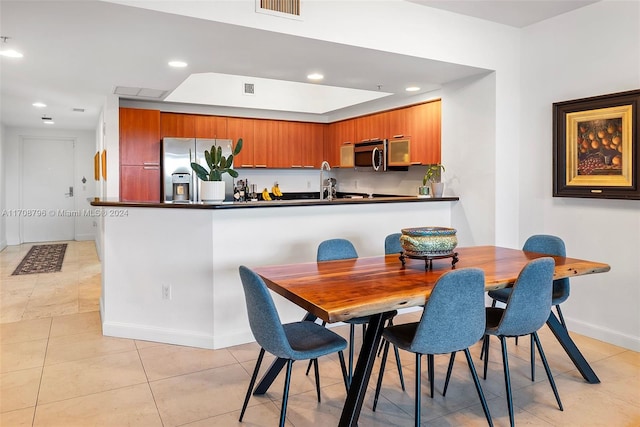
(595, 147)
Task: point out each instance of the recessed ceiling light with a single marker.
(39, 104)
(177, 64)
(412, 89)
(315, 76)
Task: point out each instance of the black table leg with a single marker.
(276, 366)
(572, 350)
(364, 366)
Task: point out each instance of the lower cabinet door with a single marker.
(140, 183)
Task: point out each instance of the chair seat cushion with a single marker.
(401, 335)
(310, 340)
(366, 319)
(501, 295)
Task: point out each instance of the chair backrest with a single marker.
(529, 303)
(454, 316)
(263, 316)
(550, 245)
(392, 244)
(334, 249)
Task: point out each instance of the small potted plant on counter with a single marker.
(211, 183)
(433, 176)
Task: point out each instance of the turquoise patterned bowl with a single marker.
(425, 241)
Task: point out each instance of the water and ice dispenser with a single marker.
(181, 187)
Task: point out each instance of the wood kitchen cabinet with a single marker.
(372, 127)
(425, 133)
(400, 123)
(338, 134)
(212, 127)
(305, 142)
(242, 128)
(265, 134)
(139, 155)
(175, 125)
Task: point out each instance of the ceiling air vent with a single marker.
(249, 89)
(290, 8)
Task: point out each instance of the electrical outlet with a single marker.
(166, 292)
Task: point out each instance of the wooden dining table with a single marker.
(335, 291)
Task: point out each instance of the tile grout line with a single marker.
(35, 405)
(155, 403)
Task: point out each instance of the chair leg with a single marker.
(385, 353)
(252, 382)
(351, 339)
(315, 367)
(399, 365)
(452, 358)
(430, 369)
(476, 381)
(418, 387)
(485, 348)
(344, 370)
(507, 379)
(533, 360)
(547, 369)
(311, 361)
(285, 393)
(561, 316)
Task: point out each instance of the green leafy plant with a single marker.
(217, 163)
(433, 173)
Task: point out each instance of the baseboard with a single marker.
(163, 335)
(85, 236)
(604, 334)
(3, 244)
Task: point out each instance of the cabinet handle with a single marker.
(246, 166)
(398, 136)
(416, 163)
(296, 166)
(151, 167)
(151, 163)
(308, 166)
(261, 166)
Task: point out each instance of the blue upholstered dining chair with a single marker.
(527, 310)
(392, 244)
(550, 245)
(337, 249)
(292, 341)
(453, 319)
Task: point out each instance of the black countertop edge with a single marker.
(267, 204)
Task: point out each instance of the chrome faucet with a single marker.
(325, 167)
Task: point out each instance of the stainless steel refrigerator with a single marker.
(180, 183)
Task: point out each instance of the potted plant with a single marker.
(433, 176)
(211, 183)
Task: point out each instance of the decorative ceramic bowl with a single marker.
(424, 241)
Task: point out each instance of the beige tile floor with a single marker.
(56, 369)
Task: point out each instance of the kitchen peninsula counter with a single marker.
(170, 271)
(269, 204)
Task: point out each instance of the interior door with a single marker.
(47, 203)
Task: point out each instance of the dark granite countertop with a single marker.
(289, 202)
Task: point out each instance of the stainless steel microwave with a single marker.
(370, 155)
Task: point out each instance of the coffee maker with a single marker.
(181, 187)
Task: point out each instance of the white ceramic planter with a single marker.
(211, 191)
(437, 188)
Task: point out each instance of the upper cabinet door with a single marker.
(266, 135)
(139, 136)
(400, 123)
(211, 127)
(174, 125)
(372, 127)
(425, 141)
(242, 128)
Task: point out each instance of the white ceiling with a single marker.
(77, 52)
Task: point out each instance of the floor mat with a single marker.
(42, 259)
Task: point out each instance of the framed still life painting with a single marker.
(595, 147)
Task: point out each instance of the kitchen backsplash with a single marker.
(292, 180)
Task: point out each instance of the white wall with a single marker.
(562, 61)
(84, 152)
(3, 192)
